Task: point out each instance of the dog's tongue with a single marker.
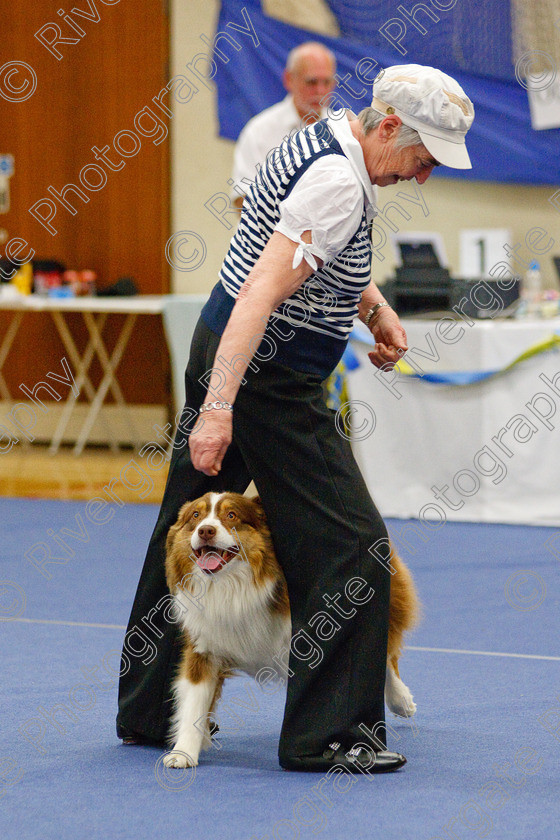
(210, 560)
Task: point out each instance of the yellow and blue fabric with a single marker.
(336, 385)
(469, 377)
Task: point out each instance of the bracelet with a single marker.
(210, 406)
(373, 310)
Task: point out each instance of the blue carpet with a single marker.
(482, 751)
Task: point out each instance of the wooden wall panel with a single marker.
(82, 101)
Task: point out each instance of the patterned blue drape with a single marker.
(470, 40)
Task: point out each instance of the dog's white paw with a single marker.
(179, 758)
(399, 700)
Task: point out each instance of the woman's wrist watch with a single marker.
(371, 312)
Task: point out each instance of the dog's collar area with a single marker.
(211, 559)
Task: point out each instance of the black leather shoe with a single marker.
(130, 738)
(356, 760)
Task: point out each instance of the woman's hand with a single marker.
(390, 339)
(209, 440)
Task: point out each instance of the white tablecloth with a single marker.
(439, 436)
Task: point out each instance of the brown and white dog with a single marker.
(231, 601)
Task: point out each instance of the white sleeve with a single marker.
(250, 150)
(328, 200)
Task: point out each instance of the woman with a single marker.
(296, 274)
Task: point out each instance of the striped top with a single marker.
(322, 310)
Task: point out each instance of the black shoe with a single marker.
(356, 760)
(130, 738)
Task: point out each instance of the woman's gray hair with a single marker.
(407, 136)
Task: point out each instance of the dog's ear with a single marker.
(259, 508)
(183, 516)
(184, 513)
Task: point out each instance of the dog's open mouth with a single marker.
(211, 559)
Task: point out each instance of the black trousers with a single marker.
(322, 521)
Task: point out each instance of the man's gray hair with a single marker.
(370, 119)
(297, 53)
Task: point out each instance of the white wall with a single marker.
(201, 166)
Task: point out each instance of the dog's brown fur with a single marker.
(248, 516)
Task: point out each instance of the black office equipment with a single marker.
(422, 285)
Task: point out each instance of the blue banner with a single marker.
(470, 41)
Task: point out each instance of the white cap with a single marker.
(432, 103)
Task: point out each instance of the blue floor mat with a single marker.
(482, 750)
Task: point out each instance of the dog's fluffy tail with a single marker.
(404, 610)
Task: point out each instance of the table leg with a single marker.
(109, 381)
(5, 348)
(81, 379)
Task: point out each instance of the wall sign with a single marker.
(6, 172)
(480, 249)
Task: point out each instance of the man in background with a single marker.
(308, 78)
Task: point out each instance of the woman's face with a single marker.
(387, 165)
